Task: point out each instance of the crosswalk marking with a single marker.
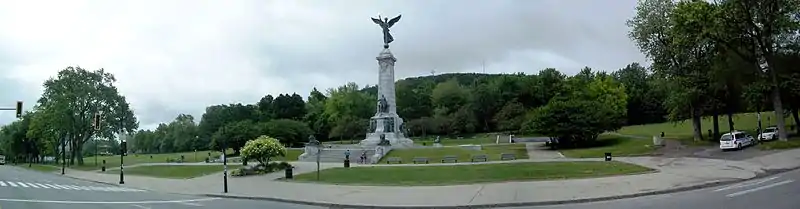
(66, 187)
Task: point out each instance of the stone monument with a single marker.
(386, 127)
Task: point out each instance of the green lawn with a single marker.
(683, 129)
(40, 167)
(468, 174)
(617, 145)
(132, 159)
(464, 155)
(175, 171)
(291, 155)
(793, 143)
(480, 138)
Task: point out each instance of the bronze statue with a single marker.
(383, 106)
(385, 25)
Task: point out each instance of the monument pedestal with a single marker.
(386, 122)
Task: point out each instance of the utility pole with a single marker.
(63, 154)
(123, 148)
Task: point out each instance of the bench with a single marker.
(394, 159)
(420, 160)
(507, 156)
(479, 158)
(450, 158)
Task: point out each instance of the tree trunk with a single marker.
(716, 124)
(796, 120)
(696, 120)
(731, 125)
(779, 117)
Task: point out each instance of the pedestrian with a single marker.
(347, 154)
(364, 157)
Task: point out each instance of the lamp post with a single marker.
(63, 154)
(224, 166)
(123, 146)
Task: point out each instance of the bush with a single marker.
(261, 169)
(262, 149)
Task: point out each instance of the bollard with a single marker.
(346, 163)
(608, 156)
(288, 172)
(104, 166)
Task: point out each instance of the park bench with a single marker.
(394, 159)
(450, 158)
(420, 160)
(507, 156)
(479, 158)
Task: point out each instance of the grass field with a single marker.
(744, 122)
(469, 174)
(616, 145)
(291, 155)
(40, 167)
(435, 155)
(132, 159)
(793, 143)
(175, 171)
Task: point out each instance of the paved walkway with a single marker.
(674, 173)
(537, 150)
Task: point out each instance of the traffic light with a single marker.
(96, 122)
(19, 109)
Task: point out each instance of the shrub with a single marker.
(262, 149)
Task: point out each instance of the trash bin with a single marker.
(346, 163)
(288, 173)
(104, 166)
(608, 156)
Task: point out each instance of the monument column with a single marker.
(386, 62)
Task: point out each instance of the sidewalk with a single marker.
(675, 174)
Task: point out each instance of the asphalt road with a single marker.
(21, 188)
(775, 192)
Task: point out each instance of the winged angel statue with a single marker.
(385, 25)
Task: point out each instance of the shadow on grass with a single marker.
(602, 141)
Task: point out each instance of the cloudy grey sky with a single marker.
(179, 56)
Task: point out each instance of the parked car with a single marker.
(2, 159)
(735, 140)
(770, 133)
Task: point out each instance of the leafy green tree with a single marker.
(234, 135)
(287, 106)
(289, 132)
(81, 94)
(511, 117)
(263, 149)
(315, 115)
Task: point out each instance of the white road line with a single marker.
(32, 185)
(190, 203)
(42, 185)
(22, 184)
(12, 184)
(99, 202)
(56, 186)
(2, 183)
(142, 207)
(759, 188)
(746, 184)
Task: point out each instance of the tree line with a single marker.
(709, 59)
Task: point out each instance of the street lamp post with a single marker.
(63, 155)
(224, 166)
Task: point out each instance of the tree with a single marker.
(757, 31)
(315, 115)
(263, 149)
(580, 116)
(510, 117)
(75, 96)
(289, 132)
(234, 135)
(287, 106)
(347, 103)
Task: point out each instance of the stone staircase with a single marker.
(336, 155)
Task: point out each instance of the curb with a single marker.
(766, 173)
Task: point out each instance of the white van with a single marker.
(2, 159)
(735, 140)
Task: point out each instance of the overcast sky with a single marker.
(179, 56)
